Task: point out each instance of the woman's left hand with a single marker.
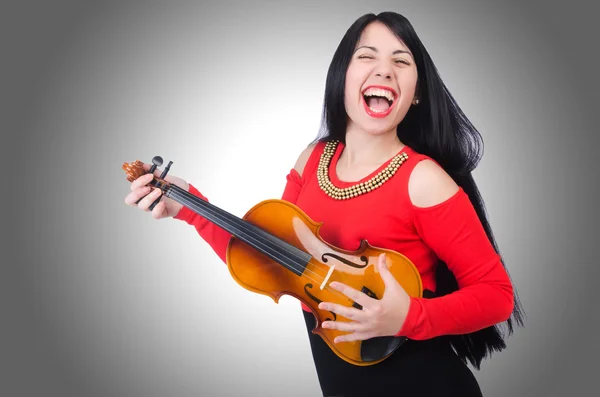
(378, 317)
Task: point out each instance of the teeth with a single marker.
(380, 92)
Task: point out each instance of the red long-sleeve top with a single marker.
(387, 218)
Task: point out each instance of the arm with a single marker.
(447, 222)
(218, 238)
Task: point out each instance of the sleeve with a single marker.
(485, 294)
(215, 236)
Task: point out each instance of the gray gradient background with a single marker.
(98, 299)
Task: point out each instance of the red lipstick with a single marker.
(379, 114)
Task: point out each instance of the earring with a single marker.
(416, 101)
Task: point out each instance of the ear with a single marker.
(415, 100)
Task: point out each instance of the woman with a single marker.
(387, 112)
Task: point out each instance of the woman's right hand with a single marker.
(166, 207)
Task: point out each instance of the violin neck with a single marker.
(272, 246)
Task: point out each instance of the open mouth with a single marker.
(379, 101)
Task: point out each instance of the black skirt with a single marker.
(427, 368)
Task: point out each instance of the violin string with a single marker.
(233, 221)
(271, 249)
(327, 287)
(233, 225)
(253, 229)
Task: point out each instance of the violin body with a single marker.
(357, 269)
(276, 250)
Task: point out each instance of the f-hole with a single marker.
(345, 261)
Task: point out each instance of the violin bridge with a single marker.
(327, 277)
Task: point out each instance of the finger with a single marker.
(350, 313)
(353, 326)
(362, 299)
(159, 210)
(146, 177)
(384, 271)
(354, 336)
(141, 181)
(135, 195)
(149, 199)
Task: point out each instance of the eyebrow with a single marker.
(393, 53)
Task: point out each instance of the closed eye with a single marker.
(371, 57)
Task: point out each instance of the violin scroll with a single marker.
(134, 170)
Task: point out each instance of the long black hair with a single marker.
(438, 128)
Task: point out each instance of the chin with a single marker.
(377, 130)
(375, 126)
(382, 131)
(379, 127)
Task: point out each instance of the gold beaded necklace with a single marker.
(356, 190)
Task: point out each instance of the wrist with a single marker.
(407, 327)
(183, 213)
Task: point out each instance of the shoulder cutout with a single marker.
(303, 158)
(429, 184)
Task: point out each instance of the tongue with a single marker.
(378, 104)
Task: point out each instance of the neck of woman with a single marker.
(363, 148)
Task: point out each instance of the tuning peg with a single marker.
(162, 176)
(166, 170)
(157, 161)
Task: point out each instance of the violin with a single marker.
(276, 250)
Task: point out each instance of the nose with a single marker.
(384, 70)
(385, 75)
